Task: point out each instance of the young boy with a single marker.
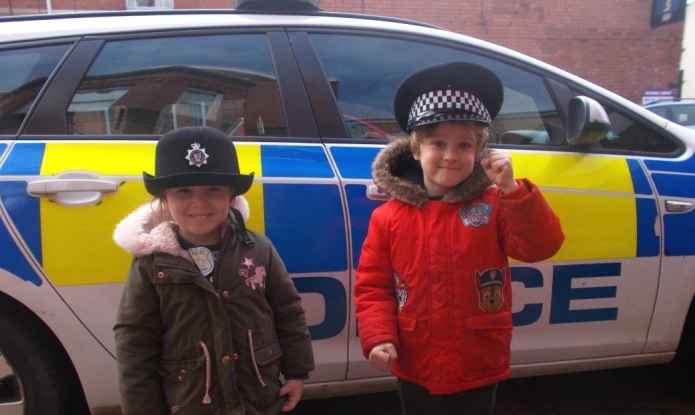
(433, 290)
(209, 318)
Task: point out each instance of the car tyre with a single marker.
(35, 372)
(683, 365)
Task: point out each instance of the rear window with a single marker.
(23, 73)
(154, 85)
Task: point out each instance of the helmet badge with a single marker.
(196, 155)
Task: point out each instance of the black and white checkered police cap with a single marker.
(452, 91)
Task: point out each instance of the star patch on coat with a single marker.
(196, 155)
(248, 262)
(476, 215)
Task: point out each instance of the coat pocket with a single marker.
(266, 352)
(411, 352)
(183, 385)
(487, 342)
(406, 322)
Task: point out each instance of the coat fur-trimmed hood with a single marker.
(150, 229)
(399, 175)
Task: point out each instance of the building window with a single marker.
(149, 4)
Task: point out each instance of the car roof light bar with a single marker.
(277, 5)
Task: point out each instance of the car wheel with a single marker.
(35, 374)
(683, 365)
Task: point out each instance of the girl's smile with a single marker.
(199, 211)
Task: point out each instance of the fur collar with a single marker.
(399, 175)
(149, 229)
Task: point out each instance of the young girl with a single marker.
(209, 317)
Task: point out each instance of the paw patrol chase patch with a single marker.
(476, 215)
(490, 285)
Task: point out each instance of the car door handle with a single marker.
(677, 206)
(374, 193)
(73, 188)
(53, 187)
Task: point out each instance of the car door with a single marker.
(595, 297)
(94, 133)
(25, 69)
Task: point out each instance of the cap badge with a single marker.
(197, 155)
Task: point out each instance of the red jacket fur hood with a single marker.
(434, 278)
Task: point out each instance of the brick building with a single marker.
(611, 44)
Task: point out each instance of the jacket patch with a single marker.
(476, 215)
(401, 290)
(490, 288)
(254, 275)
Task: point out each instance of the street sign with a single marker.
(653, 95)
(667, 11)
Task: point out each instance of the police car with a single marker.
(307, 97)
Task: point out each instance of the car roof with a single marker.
(46, 26)
(68, 25)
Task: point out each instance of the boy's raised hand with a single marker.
(382, 355)
(498, 167)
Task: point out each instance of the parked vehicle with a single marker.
(84, 98)
(680, 111)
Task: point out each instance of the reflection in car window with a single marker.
(153, 85)
(364, 82)
(24, 73)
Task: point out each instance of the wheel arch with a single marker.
(687, 341)
(38, 330)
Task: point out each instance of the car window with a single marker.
(153, 85)
(684, 114)
(364, 82)
(24, 73)
(629, 134)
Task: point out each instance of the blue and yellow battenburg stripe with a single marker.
(287, 204)
(606, 203)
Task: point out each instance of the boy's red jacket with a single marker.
(434, 280)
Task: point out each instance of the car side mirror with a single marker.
(587, 121)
